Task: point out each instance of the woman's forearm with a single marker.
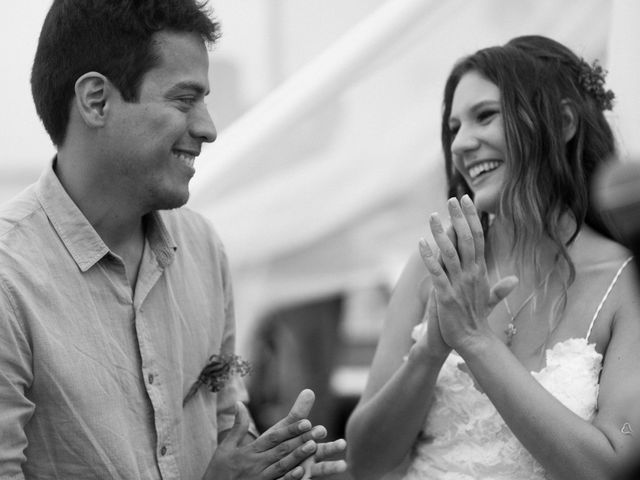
(383, 428)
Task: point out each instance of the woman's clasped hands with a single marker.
(463, 295)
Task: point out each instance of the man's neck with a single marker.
(116, 219)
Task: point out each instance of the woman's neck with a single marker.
(538, 258)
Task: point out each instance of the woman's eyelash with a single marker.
(482, 116)
(486, 114)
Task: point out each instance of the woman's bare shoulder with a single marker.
(592, 248)
(606, 286)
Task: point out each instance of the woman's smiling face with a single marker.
(479, 147)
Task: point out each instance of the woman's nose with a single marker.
(464, 141)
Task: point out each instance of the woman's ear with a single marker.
(92, 92)
(569, 120)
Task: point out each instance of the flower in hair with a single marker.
(216, 373)
(591, 78)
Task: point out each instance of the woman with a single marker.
(514, 354)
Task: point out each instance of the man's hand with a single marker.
(279, 452)
(324, 461)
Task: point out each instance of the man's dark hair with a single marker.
(112, 37)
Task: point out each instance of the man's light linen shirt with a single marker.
(92, 379)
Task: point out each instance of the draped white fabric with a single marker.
(336, 197)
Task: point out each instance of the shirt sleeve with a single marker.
(235, 389)
(16, 376)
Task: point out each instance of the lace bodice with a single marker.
(465, 438)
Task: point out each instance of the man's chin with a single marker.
(171, 202)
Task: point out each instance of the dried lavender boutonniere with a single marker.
(216, 372)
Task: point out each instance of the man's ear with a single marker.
(569, 120)
(92, 94)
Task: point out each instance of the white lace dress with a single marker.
(464, 436)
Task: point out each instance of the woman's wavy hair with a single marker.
(547, 176)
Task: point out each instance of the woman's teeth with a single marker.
(484, 167)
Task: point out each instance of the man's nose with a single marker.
(202, 126)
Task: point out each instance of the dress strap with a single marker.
(606, 295)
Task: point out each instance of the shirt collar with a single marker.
(159, 238)
(78, 235)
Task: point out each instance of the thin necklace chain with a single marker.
(511, 329)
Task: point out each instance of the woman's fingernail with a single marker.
(425, 249)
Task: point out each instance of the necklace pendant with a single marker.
(510, 331)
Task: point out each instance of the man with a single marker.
(111, 303)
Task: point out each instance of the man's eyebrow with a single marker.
(192, 86)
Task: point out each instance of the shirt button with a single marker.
(163, 451)
(150, 378)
